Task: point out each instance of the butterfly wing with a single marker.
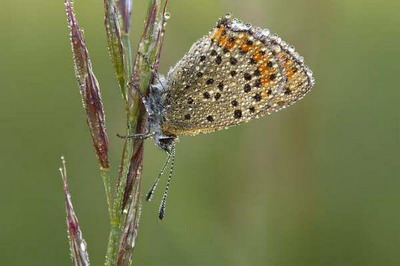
(235, 73)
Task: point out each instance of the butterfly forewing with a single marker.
(233, 74)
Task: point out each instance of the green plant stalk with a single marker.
(113, 239)
(126, 206)
(105, 175)
(126, 43)
(128, 194)
(118, 35)
(112, 22)
(115, 231)
(116, 217)
(116, 221)
(142, 77)
(119, 210)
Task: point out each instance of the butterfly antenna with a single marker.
(150, 194)
(164, 198)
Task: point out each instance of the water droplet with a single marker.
(83, 246)
(265, 32)
(167, 15)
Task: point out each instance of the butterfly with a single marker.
(233, 74)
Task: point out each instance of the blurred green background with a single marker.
(316, 184)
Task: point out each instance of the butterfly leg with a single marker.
(160, 79)
(137, 136)
(144, 99)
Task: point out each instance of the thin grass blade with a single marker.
(125, 9)
(150, 47)
(91, 97)
(116, 48)
(78, 246)
(89, 88)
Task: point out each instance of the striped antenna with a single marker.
(164, 198)
(150, 194)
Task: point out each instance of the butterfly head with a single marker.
(166, 143)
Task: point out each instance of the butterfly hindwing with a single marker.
(233, 74)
